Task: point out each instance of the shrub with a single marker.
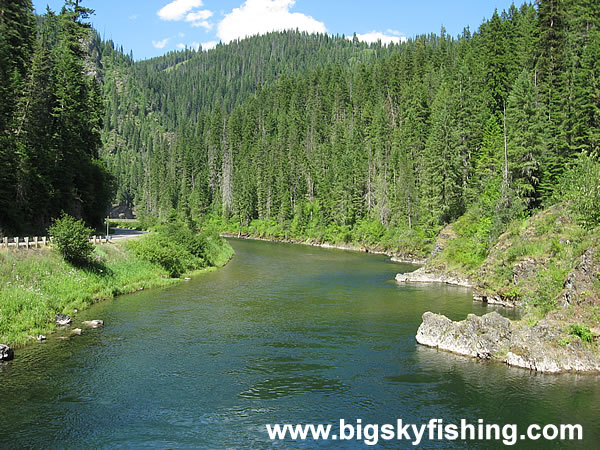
(191, 241)
(159, 249)
(71, 237)
(583, 332)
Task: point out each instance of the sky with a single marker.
(154, 27)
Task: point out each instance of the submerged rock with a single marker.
(495, 337)
(76, 331)
(62, 320)
(93, 323)
(41, 338)
(6, 353)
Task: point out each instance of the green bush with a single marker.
(179, 249)
(191, 241)
(159, 249)
(71, 238)
(583, 332)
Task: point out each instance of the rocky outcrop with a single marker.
(6, 353)
(423, 275)
(62, 320)
(580, 285)
(495, 337)
(93, 323)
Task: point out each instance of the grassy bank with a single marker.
(37, 284)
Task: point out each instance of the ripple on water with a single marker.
(285, 386)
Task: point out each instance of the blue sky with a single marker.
(153, 27)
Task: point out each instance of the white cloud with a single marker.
(205, 45)
(204, 24)
(133, 17)
(161, 44)
(374, 36)
(261, 16)
(180, 46)
(198, 15)
(177, 9)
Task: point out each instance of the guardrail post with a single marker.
(44, 241)
(35, 241)
(5, 242)
(17, 242)
(27, 242)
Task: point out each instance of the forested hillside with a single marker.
(297, 135)
(326, 138)
(51, 112)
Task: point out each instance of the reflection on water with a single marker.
(283, 334)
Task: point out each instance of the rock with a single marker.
(495, 337)
(422, 276)
(62, 320)
(407, 259)
(481, 337)
(187, 278)
(580, 283)
(93, 323)
(76, 331)
(494, 299)
(75, 311)
(41, 338)
(6, 353)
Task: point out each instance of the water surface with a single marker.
(282, 334)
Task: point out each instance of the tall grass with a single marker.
(37, 284)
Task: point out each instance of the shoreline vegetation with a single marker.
(38, 284)
(547, 265)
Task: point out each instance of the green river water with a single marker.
(282, 334)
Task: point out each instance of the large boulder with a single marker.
(495, 337)
(481, 337)
(6, 353)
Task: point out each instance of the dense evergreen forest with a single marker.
(313, 136)
(329, 138)
(51, 112)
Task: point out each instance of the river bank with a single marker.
(394, 256)
(38, 284)
(281, 333)
(546, 266)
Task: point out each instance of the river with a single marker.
(282, 334)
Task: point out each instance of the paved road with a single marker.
(120, 234)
